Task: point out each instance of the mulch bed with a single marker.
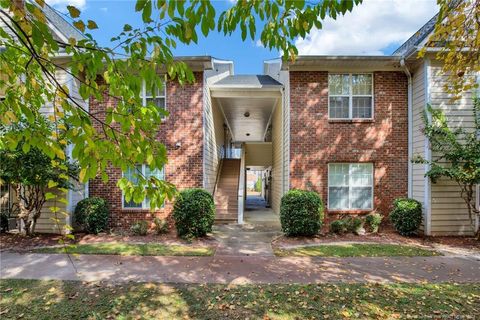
(15, 241)
(386, 235)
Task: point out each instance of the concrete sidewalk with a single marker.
(239, 269)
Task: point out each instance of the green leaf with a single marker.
(92, 25)
(73, 11)
(80, 25)
(147, 12)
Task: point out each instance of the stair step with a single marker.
(226, 217)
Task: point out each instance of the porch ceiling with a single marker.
(252, 127)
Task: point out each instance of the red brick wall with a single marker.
(315, 141)
(185, 165)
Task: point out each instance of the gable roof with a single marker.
(247, 81)
(61, 25)
(416, 39)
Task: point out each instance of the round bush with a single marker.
(301, 213)
(406, 216)
(91, 214)
(140, 228)
(194, 213)
(373, 221)
(338, 226)
(354, 224)
(3, 221)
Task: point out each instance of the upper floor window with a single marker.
(132, 175)
(350, 96)
(158, 97)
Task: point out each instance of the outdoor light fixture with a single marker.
(178, 145)
(247, 114)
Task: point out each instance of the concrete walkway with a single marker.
(238, 269)
(254, 237)
(244, 255)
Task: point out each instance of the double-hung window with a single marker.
(350, 96)
(350, 186)
(158, 97)
(132, 175)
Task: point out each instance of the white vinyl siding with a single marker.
(449, 215)
(132, 175)
(213, 138)
(350, 186)
(47, 222)
(277, 158)
(418, 139)
(350, 96)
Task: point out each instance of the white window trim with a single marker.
(350, 96)
(144, 202)
(349, 199)
(145, 97)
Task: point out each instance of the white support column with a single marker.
(241, 186)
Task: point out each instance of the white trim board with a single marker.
(427, 154)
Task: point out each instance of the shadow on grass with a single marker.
(76, 300)
(130, 249)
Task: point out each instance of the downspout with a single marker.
(410, 125)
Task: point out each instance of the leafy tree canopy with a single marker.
(457, 38)
(31, 172)
(126, 134)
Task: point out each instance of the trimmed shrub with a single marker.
(355, 225)
(3, 221)
(91, 214)
(301, 213)
(338, 226)
(160, 226)
(194, 213)
(373, 221)
(406, 216)
(140, 228)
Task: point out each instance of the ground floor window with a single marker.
(132, 175)
(350, 186)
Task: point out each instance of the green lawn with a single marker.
(130, 249)
(34, 299)
(356, 250)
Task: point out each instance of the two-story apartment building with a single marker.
(344, 126)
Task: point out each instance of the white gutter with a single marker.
(410, 127)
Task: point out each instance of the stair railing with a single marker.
(217, 177)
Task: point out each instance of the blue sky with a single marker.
(375, 27)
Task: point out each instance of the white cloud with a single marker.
(370, 27)
(104, 9)
(62, 4)
(259, 44)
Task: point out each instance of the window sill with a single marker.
(354, 211)
(351, 120)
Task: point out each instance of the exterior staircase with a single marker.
(226, 192)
